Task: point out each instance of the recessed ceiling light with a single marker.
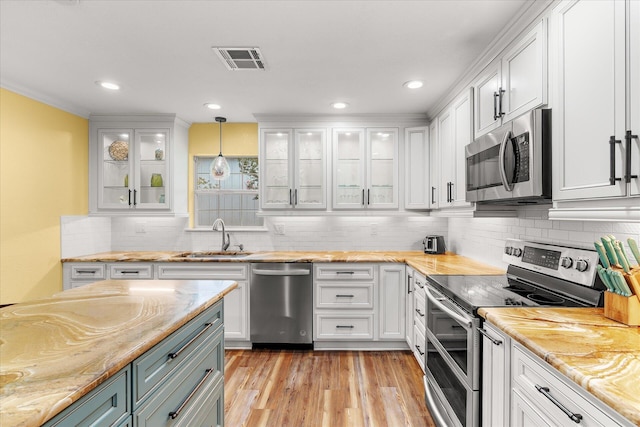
(339, 105)
(413, 84)
(212, 106)
(108, 85)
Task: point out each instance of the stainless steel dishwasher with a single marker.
(281, 303)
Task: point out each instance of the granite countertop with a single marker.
(448, 263)
(55, 350)
(599, 354)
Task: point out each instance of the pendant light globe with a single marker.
(220, 169)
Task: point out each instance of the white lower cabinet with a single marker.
(543, 396)
(236, 321)
(82, 273)
(357, 304)
(416, 316)
(496, 379)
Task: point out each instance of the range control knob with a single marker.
(517, 252)
(566, 262)
(508, 250)
(582, 265)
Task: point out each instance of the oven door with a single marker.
(452, 361)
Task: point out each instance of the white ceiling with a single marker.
(316, 52)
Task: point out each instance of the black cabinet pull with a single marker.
(344, 326)
(420, 313)
(612, 159)
(409, 277)
(419, 283)
(129, 271)
(135, 192)
(344, 296)
(129, 197)
(345, 272)
(576, 418)
(290, 197)
(419, 350)
(174, 414)
(500, 112)
(368, 197)
(87, 271)
(495, 105)
(363, 197)
(175, 354)
(433, 195)
(627, 175)
(451, 192)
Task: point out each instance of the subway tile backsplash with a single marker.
(479, 238)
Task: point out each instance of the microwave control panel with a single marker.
(521, 153)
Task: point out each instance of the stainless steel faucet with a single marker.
(226, 239)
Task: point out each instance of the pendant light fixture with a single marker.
(220, 167)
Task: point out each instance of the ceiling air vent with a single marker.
(240, 58)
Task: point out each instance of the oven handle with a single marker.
(503, 172)
(433, 408)
(441, 306)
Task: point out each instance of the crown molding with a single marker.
(45, 99)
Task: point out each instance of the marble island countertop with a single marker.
(599, 354)
(448, 263)
(55, 350)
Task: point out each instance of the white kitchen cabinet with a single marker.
(496, 378)
(454, 133)
(543, 396)
(419, 319)
(236, 302)
(76, 274)
(596, 100)
(365, 168)
(434, 165)
(293, 169)
(513, 83)
(138, 165)
(408, 292)
(391, 310)
(417, 179)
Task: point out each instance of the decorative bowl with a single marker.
(119, 150)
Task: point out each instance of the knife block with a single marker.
(622, 309)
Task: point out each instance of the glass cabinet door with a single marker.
(382, 169)
(348, 168)
(115, 177)
(153, 178)
(310, 169)
(276, 186)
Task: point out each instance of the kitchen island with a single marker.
(55, 350)
(598, 354)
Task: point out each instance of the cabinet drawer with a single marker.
(186, 271)
(419, 309)
(85, 271)
(183, 394)
(334, 295)
(130, 271)
(150, 369)
(339, 271)
(347, 327)
(107, 404)
(419, 344)
(533, 380)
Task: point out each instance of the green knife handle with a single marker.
(622, 257)
(603, 254)
(634, 249)
(611, 253)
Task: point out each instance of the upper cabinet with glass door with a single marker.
(130, 168)
(365, 168)
(293, 168)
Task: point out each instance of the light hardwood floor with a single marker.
(304, 388)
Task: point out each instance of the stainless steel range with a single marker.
(537, 275)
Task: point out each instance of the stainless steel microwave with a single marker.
(512, 163)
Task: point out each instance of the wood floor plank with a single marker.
(304, 388)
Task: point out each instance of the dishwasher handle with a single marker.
(297, 272)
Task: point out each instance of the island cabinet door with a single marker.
(107, 405)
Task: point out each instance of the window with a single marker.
(235, 199)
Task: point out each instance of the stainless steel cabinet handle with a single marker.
(500, 92)
(419, 350)
(612, 159)
(420, 313)
(409, 277)
(345, 272)
(495, 105)
(174, 414)
(447, 310)
(486, 334)
(576, 418)
(175, 354)
(344, 326)
(298, 272)
(344, 296)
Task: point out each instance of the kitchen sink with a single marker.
(214, 255)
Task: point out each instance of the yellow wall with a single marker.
(43, 175)
(238, 139)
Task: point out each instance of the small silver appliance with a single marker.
(434, 245)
